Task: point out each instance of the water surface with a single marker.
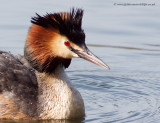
(125, 36)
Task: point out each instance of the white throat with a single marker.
(58, 99)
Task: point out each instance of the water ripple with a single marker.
(119, 97)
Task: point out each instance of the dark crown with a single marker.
(68, 24)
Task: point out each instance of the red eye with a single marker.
(67, 43)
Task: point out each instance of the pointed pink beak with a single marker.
(89, 56)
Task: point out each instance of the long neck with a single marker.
(58, 99)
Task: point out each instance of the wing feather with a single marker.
(18, 78)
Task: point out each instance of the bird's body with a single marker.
(59, 96)
(29, 94)
(35, 86)
(18, 88)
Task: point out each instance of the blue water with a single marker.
(125, 36)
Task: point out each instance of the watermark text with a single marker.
(134, 4)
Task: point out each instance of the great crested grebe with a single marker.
(35, 86)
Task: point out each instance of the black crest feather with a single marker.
(68, 24)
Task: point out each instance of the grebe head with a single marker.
(55, 39)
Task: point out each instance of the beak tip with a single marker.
(107, 67)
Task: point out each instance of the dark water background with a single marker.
(124, 33)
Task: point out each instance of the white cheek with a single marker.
(70, 54)
(62, 50)
(74, 55)
(66, 51)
